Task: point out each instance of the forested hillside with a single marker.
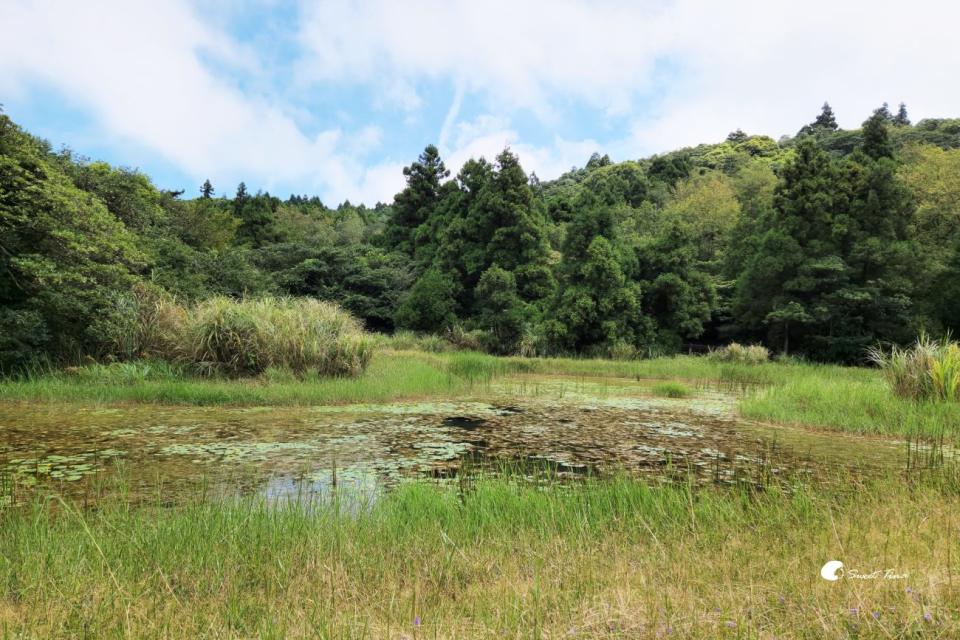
(820, 244)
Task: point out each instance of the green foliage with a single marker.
(833, 259)
(62, 256)
(430, 303)
(417, 203)
(822, 245)
(502, 312)
(367, 281)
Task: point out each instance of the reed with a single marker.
(928, 370)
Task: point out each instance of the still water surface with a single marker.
(568, 427)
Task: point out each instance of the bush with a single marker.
(929, 370)
(247, 337)
(741, 354)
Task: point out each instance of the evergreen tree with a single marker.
(824, 123)
(498, 221)
(832, 272)
(240, 199)
(884, 112)
(876, 140)
(901, 119)
(518, 241)
(430, 305)
(206, 189)
(417, 202)
(597, 306)
(502, 313)
(826, 119)
(796, 266)
(257, 217)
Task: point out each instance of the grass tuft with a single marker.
(671, 390)
(929, 370)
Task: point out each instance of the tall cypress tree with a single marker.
(901, 119)
(783, 288)
(504, 224)
(417, 202)
(876, 140)
(877, 248)
(597, 305)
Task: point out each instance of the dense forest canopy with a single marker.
(820, 244)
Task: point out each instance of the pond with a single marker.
(550, 426)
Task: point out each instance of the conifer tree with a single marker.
(417, 202)
(826, 119)
(901, 119)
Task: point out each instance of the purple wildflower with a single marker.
(928, 616)
(876, 615)
(730, 624)
(416, 621)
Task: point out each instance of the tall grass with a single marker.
(388, 377)
(736, 352)
(612, 558)
(247, 337)
(928, 370)
(237, 337)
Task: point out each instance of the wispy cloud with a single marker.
(554, 79)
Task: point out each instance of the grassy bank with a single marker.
(605, 559)
(824, 396)
(388, 377)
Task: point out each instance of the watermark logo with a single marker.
(832, 571)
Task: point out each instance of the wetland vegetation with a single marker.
(458, 494)
(475, 411)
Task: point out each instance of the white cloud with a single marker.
(762, 65)
(657, 74)
(487, 135)
(137, 68)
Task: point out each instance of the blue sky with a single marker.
(333, 98)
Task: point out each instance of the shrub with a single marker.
(929, 370)
(464, 340)
(247, 337)
(741, 354)
(143, 323)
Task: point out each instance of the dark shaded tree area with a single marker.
(819, 245)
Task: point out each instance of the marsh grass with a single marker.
(928, 370)
(247, 337)
(671, 390)
(388, 377)
(853, 399)
(742, 354)
(602, 558)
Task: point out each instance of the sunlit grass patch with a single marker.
(671, 390)
(495, 558)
